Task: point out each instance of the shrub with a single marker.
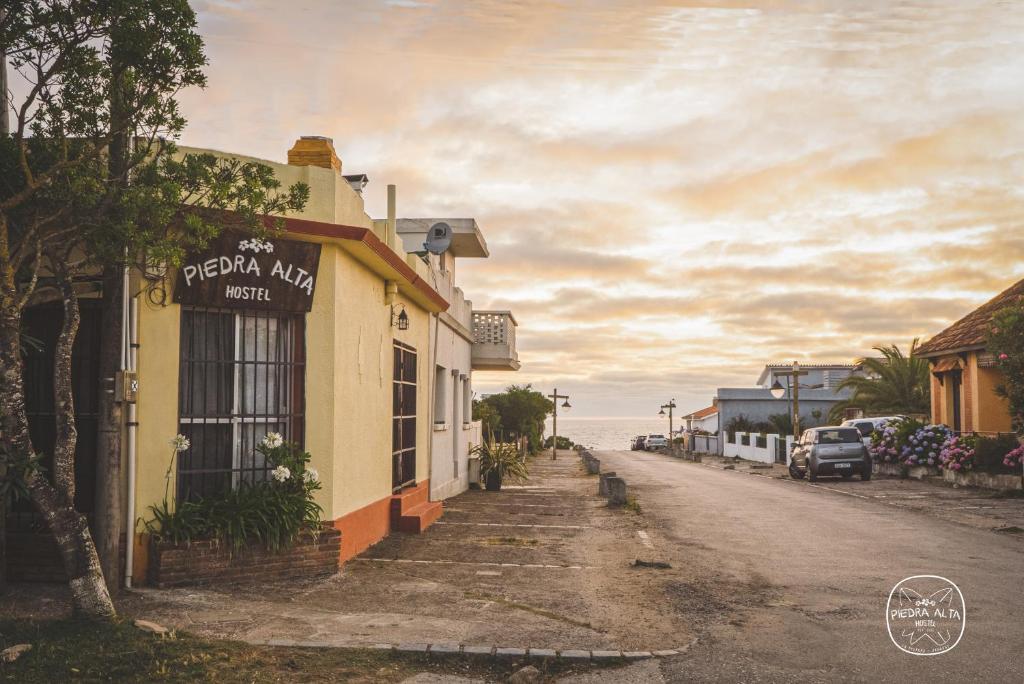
(958, 453)
(888, 442)
(563, 442)
(991, 452)
(502, 457)
(924, 446)
(1006, 341)
(272, 512)
(739, 423)
(1014, 458)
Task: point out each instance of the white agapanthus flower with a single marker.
(272, 440)
(280, 473)
(311, 475)
(180, 443)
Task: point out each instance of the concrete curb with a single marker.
(441, 649)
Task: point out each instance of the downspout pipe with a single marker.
(133, 340)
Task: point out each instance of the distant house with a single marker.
(818, 394)
(705, 419)
(819, 375)
(964, 373)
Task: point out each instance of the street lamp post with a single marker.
(670, 405)
(554, 397)
(778, 391)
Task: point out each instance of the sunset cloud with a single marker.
(673, 193)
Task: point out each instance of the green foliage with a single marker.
(90, 165)
(272, 512)
(520, 411)
(15, 471)
(990, 452)
(488, 416)
(502, 457)
(782, 423)
(896, 383)
(739, 423)
(1006, 341)
(563, 442)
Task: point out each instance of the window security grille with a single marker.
(242, 375)
(403, 425)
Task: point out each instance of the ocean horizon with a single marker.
(608, 433)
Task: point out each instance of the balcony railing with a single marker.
(494, 341)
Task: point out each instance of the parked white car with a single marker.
(868, 425)
(656, 442)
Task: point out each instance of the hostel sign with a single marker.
(250, 273)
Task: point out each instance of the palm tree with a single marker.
(893, 384)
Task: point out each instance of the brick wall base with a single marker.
(208, 562)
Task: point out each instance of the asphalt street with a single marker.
(812, 570)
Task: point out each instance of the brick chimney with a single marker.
(314, 150)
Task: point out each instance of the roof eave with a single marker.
(933, 353)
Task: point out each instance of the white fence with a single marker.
(704, 444)
(757, 447)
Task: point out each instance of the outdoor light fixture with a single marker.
(778, 391)
(670, 405)
(554, 397)
(401, 320)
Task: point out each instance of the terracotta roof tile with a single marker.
(704, 412)
(972, 330)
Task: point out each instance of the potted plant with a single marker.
(498, 460)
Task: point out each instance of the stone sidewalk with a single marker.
(544, 565)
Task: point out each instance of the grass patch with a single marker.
(511, 541)
(81, 651)
(631, 505)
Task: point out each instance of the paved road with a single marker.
(811, 571)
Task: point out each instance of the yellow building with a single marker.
(965, 374)
(321, 333)
(325, 361)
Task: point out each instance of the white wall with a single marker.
(451, 431)
(751, 452)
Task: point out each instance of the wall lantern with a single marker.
(778, 391)
(400, 320)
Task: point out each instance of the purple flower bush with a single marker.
(958, 453)
(1015, 457)
(885, 446)
(924, 446)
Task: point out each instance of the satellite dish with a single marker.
(439, 238)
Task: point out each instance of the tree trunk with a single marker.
(108, 513)
(89, 593)
(63, 398)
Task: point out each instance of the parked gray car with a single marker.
(833, 450)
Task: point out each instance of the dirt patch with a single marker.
(510, 541)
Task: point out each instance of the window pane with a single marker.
(408, 400)
(204, 469)
(408, 366)
(207, 350)
(408, 433)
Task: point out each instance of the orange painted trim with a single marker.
(364, 527)
(368, 238)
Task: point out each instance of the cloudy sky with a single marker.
(673, 192)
